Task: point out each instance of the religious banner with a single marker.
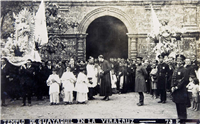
(41, 35)
(30, 33)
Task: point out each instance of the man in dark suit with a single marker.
(163, 69)
(190, 69)
(41, 77)
(190, 72)
(27, 74)
(4, 80)
(131, 70)
(140, 83)
(179, 91)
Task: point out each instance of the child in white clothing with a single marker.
(82, 87)
(113, 81)
(193, 87)
(153, 75)
(54, 84)
(68, 79)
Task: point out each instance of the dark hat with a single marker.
(29, 60)
(182, 57)
(100, 56)
(139, 58)
(161, 55)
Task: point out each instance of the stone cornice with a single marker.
(191, 34)
(80, 35)
(124, 2)
(140, 35)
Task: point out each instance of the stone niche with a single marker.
(190, 45)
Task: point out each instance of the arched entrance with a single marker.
(110, 12)
(107, 36)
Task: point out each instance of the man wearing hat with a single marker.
(105, 86)
(179, 91)
(140, 83)
(163, 69)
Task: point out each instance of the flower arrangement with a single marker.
(166, 41)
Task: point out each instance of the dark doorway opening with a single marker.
(107, 36)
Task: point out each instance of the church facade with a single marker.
(136, 16)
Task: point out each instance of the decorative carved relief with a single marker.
(144, 48)
(80, 45)
(190, 16)
(188, 46)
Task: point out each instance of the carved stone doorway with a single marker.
(119, 15)
(107, 36)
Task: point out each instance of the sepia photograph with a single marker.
(100, 61)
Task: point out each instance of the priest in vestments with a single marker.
(105, 86)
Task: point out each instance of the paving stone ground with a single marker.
(119, 106)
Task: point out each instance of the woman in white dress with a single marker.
(81, 87)
(68, 79)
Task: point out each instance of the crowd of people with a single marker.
(78, 82)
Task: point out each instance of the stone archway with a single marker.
(108, 11)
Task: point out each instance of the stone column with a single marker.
(81, 46)
(132, 46)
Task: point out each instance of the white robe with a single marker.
(54, 83)
(113, 80)
(68, 79)
(82, 83)
(92, 73)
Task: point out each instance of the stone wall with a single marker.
(76, 16)
(135, 14)
(178, 13)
